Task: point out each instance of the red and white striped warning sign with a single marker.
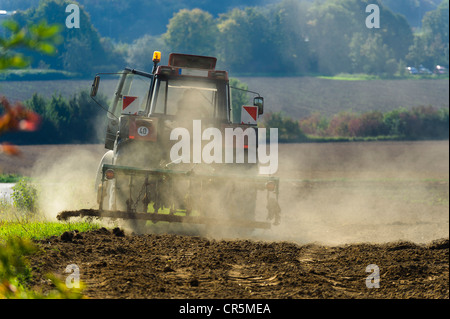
(130, 104)
(249, 115)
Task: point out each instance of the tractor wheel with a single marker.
(119, 193)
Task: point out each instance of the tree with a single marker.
(431, 46)
(340, 39)
(74, 120)
(412, 10)
(331, 25)
(436, 29)
(314, 124)
(371, 56)
(246, 41)
(291, 38)
(192, 31)
(288, 129)
(436, 22)
(77, 56)
(80, 44)
(141, 50)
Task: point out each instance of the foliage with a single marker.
(15, 118)
(288, 129)
(245, 40)
(38, 37)
(315, 124)
(75, 120)
(288, 37)
(417, 123)
(15, 274)
(412, 10)
(139, 53)
(431, 46)
(238, 99)
(424, 122)
(342, 43)
(80, 50)
(9, 178)
(24, 196)
(192, 31)
(130, 20)
(327, 37)
(291, 37)
(13, 270)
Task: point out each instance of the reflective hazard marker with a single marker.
(130, 104)
(249, 115)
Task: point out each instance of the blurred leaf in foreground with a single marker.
(16, 118)
(40, 37)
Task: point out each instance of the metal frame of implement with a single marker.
(171, 217)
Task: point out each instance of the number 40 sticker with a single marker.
(143, 130)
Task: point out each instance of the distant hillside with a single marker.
(296, 96)
(258, 37)
(413, 10)
(129, 20)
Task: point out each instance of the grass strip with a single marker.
(37, 230)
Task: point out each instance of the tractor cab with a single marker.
(189, 87)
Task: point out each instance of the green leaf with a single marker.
(46, 48)
(11, 25)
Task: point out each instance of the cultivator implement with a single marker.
(182, 196)
(155, 217)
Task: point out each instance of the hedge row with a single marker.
(423, 122)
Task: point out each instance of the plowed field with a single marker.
(351, 212)
(113, 265)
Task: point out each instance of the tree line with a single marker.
(77, 119)
(289, 37)
(422, 122)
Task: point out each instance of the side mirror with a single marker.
(259, 102)
(94, 87)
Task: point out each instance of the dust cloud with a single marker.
(341, 193)
(65, 177)
(331, 193)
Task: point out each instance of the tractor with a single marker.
(177, 152)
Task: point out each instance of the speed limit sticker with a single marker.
(143, 130)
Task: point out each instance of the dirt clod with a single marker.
(67, 236)
(194, 282)
(118, 232)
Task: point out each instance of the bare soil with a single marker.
(114, 264)
(344, 207)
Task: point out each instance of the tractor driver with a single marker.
(194, 105)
